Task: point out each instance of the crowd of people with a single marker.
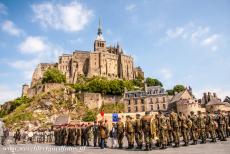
(24, 136)
(38, 136)
(160, 130)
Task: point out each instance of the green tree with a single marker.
(153, 82)
(98, 85)
(104, 86)
(17, 102)
(129, 85)
(14, 105)
(117, 87)
(170, 92)
(89, 116)
(178, 88)
(53, 75)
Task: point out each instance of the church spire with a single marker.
(99, 32)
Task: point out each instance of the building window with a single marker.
(158, 107)
(157, 100)
(143, 108)
(129, 102)
(164, 107)
(151, 100)
(136, 109)
(164, 99)
(135, 101)
(142, 101)
(151, 107)
(129, 109)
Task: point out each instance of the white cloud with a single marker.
(200, 32)
(9, 27)
(166, 73)
(7, 93)
(210, 40)
(130, 7)
(3, 9)
(200, 35)
(45, 52)
(68, 17)
(33, 45)
(175, 33)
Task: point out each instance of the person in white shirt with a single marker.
(113, 135)
(2, 127)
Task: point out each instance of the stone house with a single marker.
(153, 98)
(183, 95)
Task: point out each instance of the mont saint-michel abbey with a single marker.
(105, 61)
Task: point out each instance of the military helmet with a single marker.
(138, 115)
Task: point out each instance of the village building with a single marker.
(153, 98)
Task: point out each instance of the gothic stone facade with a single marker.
(103, 61)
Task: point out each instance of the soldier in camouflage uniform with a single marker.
(201, 127)
(175, 128)
(226, 118)
(228, 123)
(129, 132)
(66, 134)
(78, 135)
(70, 135)
(184, 128)
(107, 133)
(95, 133)
(221, 126)
(162, 130)
(62, 132)
(103, 134)
(194, 134)
(169, 133)
(120, 132)
(138, 131)
(74, 133)
(55, 136)
(146, 128)
(189, 124)
(210, 125)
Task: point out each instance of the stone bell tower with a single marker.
(99, 43)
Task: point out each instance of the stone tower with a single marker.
(25, 89)
(99, 43)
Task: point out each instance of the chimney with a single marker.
(145, 87)
(205, 98)
(214, 95)
(190, 90)
(209, 96)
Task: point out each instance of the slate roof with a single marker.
(177, 97)
(216, 101)
(227, 99)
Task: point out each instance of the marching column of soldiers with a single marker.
(164, 130)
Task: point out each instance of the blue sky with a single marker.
(176, 41)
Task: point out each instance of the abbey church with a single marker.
(105, 61)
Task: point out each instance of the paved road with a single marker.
(209, 148)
